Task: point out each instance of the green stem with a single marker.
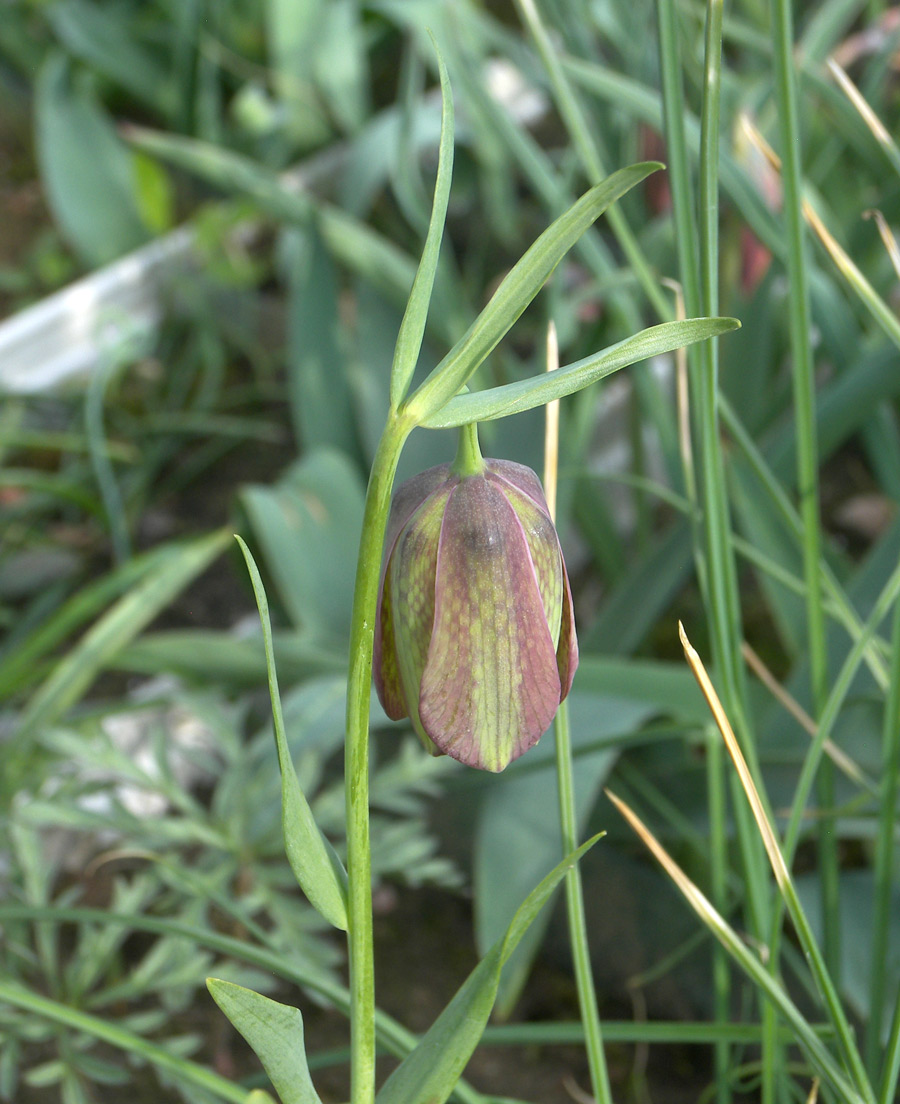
(587, 148)
(718, 848)
(884, 857)
(807, 452)
(356, 771)
(469, 460)
(584, 980)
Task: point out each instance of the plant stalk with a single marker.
(807, 454)
(356, 771)
(884, 863)
(578, 937)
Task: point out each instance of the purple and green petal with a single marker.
(408, 497)
(490, 685)
(412, 573)
(384, 658)
(567, 649)
(522, 478)
(543, 544)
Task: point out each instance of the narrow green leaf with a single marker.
(513, 398)
(106, 39)
(84, 1023)
(431, 1071)
(99, 646)
(412, 328)
(351, 241)
(313, 861)
(275, 1031)
(317, 505)
(517, 290)
(20, 667)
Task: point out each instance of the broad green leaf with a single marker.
(275, 1031)
(431, 1071)
(340, 62)
(516, 291)
(312, 859)
(293, 28)
(259, 1096)
(512, 398)
(87, 173)
(220, 657)
(307, 528)
(412, 329)
(118, 627)
(641, 596)
(104, 37)
(316, 379)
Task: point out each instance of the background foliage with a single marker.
(298, 142)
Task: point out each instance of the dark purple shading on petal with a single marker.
(411, 578)
(408, 497)
(491, 685)
(567, 649)
(384, 660)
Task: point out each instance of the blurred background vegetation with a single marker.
(259, 173)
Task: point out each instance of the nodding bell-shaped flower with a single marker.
(475, 636)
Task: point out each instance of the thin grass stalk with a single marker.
(887, 1090)
(718, 834)
(716, 568)
(840, 688)
(884, 863)
(845, 611)
(568, 818)
(807, 452)
(678, 163)
(721, 598)
(805, 783)
(586, 147)
(356, 768)
(101, 462)
(819, 1055)
(779, 861)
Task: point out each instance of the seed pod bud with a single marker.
(475, 636)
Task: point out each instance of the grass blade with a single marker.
(412, 328)
(132, 613)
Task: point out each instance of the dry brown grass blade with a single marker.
(887, 237)
(840, 759)
(766, 831)
(695, 897)
(846, 266)
(862, 105)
